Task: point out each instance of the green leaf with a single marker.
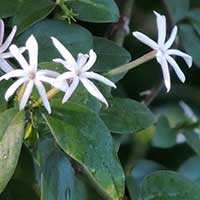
(133, 188)
(191, 44)
(8, 8)
(12, 124)
(190, 169)
(99, 11)
(126, 116)
(178, 9)
(194, 17)
(83, 136)
(24, 19)
(165, 136)
(74, 37)
(167, 185)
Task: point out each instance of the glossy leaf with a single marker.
(8, 8)
(12, 124)
(126, 116)
(83, 136)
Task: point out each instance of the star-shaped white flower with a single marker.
(30, 75)
(78, 72)
(164, 54)
(4, 65)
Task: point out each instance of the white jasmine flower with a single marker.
(29, 75)
(164, 54)
(4, 65)
(78, 72)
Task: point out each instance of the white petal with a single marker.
(9, 39)
(146, 40)
(65, 76)
(32, 47)
(82, 58)
(64, 52)
(61, 85)
(5, 66)
(165, 71)
(186, 57)
(2, 29)
(17, 54)
(176, 68)
(172, 38)
(26, 95)
(98, 77)
(71, 89)
(12, 89)
(46, 79)
(43, 95)
(65, 64)
(91, 61)
(46, 72)
(14, 74)
(6, 55)
(161, 26)
(93, 90)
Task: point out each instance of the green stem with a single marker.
(133, 64)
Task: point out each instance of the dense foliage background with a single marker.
(144, 150)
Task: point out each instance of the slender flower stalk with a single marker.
(78, 72)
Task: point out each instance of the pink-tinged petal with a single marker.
(67, 65)
(2, 30)
(71, 89)
(176, 68)
(12, 89)
(64, 52)
(146, 40)
(5, 66)
(186, 57)
(165, 72)
(91, 61)
(14, 74)
(43, 95)
(50, 73)
(65, 76)
(18, 56)
(161, 26)
(82, 59)
(93, 90)
(32, 47)
(9, 39)
(172, 38)
(98, 77)
(26, 95)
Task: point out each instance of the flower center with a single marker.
(31, 75)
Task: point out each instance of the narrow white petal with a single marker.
(176, 68)
(46, 79)
(14, 74)
(98, 77)
(82, 58)
(6, 55)
(91, 61)
(50, 73)
(93, 90)
(71, 89)
(61, 85)
(43, 95)
(186, 57)
(172, 38)
(161, 26)
(146, 40)
(12, 89)
(65, 76)
(66, 64)
(165, 71)
(5, 66)
(26, 95)
(32, 47)
(2, 30)
(9, 39)
(64, 52)
(17, 54)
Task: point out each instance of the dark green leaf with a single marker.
(127, 116)
(8, 8)
(167, 185)
(133, 188)
(95, 10)
(12, 124)
(84, 137)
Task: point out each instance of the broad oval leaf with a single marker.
(12, 124)
(8, 8)
(74, 37)
(167, 185)
(83, 136)
(126, 116)
(95, 10)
